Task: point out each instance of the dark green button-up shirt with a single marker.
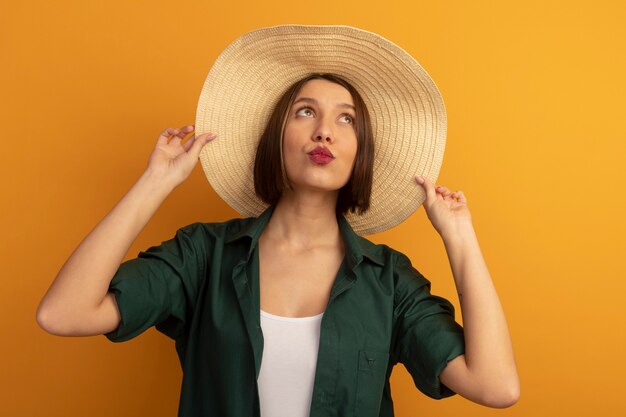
(201, 288)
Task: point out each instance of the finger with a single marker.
(443, 190)
(461, 196)
(188, 143)
(180, 136)
(428, 187)
(166, 134)
(185, 130)
(199, 143)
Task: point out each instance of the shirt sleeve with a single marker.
(428, 337)
(158, 287)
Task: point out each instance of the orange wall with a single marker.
(534, 92)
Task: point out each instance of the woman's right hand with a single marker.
(172, 161)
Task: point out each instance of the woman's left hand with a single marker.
(446, 210)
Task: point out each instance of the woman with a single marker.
(291, 313)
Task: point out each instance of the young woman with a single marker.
(291, 312)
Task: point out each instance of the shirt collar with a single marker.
(356, 247)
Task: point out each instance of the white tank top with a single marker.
(288, 364)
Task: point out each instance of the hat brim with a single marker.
(406, 109)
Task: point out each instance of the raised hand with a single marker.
(172, 160)
(447, 211)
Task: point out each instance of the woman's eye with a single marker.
(305, 111)
(347, 119)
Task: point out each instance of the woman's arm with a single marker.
(486, 373)
(77, 302)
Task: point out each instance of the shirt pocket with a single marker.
(370, 382)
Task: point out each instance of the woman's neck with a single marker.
(304, 221)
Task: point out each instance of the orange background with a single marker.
(536, 139)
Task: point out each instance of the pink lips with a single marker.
(321, 155)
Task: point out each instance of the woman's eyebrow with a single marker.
(312, 100)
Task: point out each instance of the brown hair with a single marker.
(270, 177)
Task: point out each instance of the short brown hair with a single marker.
(270, 177)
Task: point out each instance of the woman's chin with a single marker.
(316, 187)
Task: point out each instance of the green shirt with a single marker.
(201, 288)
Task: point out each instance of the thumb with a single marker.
(200, 142)
(428, 187)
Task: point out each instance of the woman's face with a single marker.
(319, 142)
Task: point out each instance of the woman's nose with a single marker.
(323, 133)
(323, 138)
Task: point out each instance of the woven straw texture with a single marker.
(247, 79)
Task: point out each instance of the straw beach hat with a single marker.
(406, 109)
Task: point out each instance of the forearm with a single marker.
(83, 281)
(488, 352)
